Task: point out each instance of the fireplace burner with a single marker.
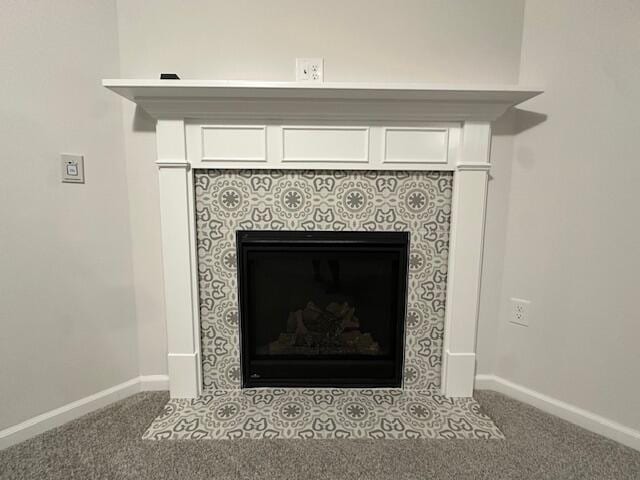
(322, 308)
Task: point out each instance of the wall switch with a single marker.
(309, 70)
(520, 311)
(72, 168)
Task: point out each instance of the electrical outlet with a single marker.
(309, 70)
(520, 311)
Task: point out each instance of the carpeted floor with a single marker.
(107, 445)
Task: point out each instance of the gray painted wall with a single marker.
(573, 231)
(67, 312)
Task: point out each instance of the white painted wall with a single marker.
(466, 41)
(573, 224)
(67, 313)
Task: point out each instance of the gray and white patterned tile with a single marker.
(322, 414)
(228, 200)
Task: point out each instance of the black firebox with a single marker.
(322, 308)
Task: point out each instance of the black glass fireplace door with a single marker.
(322, 308)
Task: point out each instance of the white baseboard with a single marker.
(154, 383)
(61, 415)
(578, 416)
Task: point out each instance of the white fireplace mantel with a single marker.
(347, 126)
(329, 101)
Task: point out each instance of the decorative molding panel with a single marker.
(415, 145)
(389, 147)
(325, 144)
(235, 143)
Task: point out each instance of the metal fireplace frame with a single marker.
(328, 371)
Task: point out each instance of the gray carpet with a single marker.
(107, 445)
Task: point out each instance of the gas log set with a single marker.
(334, 330)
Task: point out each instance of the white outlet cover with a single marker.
(520, 311)
(310, 70)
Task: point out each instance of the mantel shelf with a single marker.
(325, 101)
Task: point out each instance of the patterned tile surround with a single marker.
(227, 200)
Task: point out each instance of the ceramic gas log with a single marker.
(334, 330)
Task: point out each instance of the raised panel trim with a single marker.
(229, 158)
(425, 161)
(342, 160)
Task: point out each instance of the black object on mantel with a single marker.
(169, 76)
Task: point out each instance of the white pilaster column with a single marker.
(465, 260)
(183, 335)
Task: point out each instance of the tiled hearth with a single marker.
(322, 413)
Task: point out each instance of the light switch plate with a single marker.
(72, 168)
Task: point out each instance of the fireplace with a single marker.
(322, 308)
(370, 157)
